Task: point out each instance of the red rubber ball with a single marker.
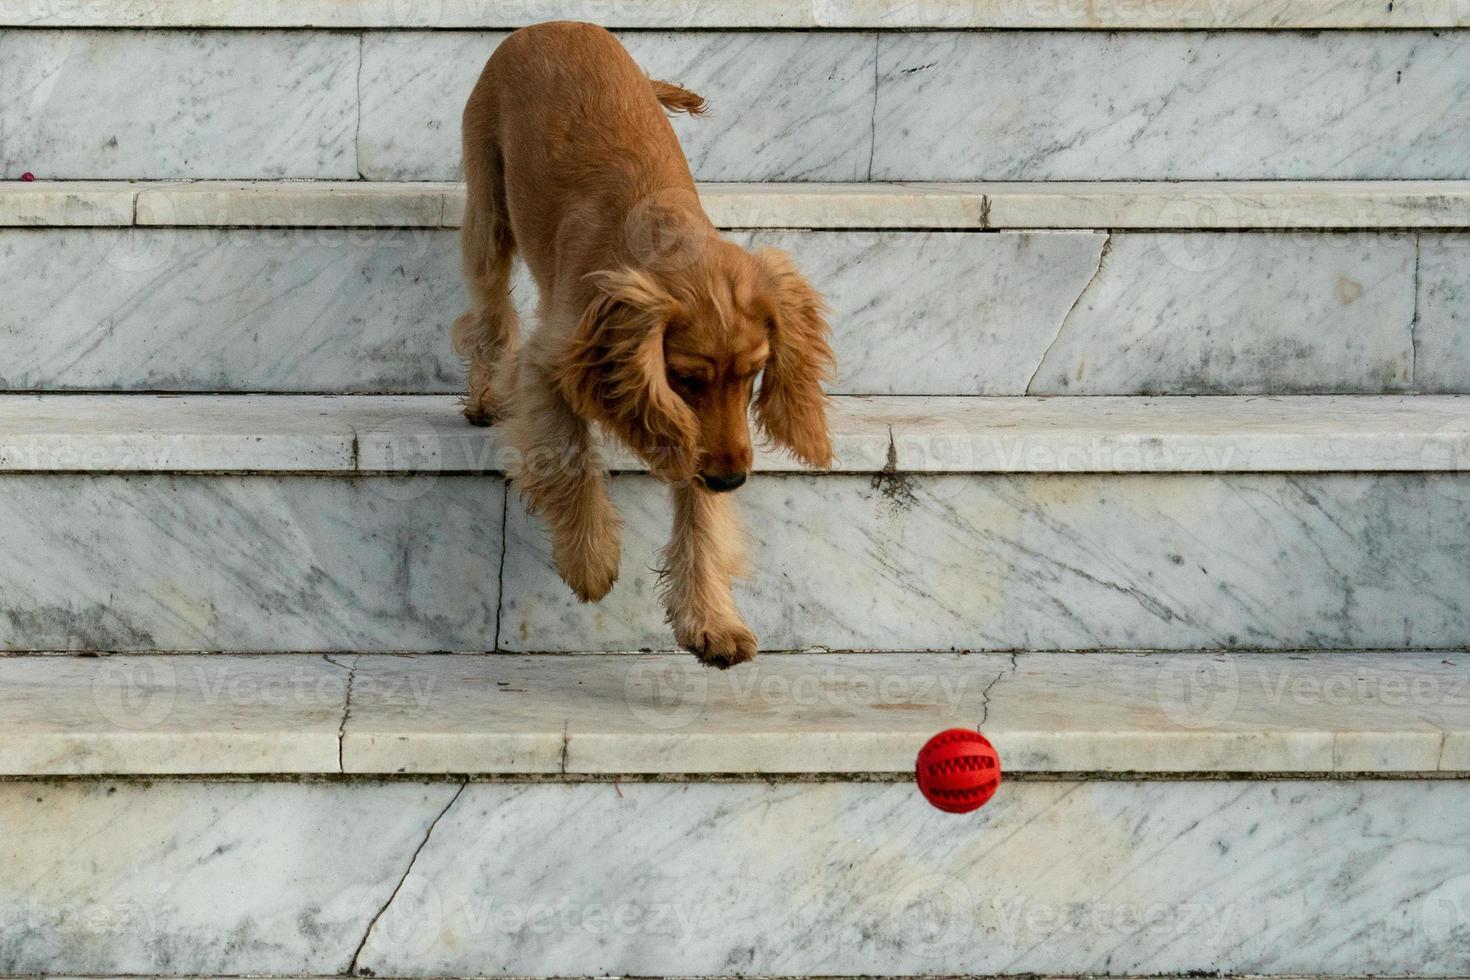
(958, 770)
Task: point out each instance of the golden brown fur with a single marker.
(650, 324)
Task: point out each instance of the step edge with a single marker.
(568, 723)
(754, 14)
(885, 436)
(960, 206)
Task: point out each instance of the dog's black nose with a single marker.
(721, 482)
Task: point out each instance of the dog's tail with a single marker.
(676, 99)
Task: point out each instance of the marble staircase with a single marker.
(1153, 439)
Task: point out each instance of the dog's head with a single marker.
(668, 360)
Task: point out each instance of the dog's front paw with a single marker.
(721, 645)
(590, 573)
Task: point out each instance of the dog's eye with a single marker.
(688, 383)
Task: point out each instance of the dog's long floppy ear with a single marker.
(791, 407)
(613, 372)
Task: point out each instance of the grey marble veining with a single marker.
(1069, 878)
(1050, 878)
(1045, 563)
(201, 878)
(311, 309)
(248, 563)
(1442, 327)
(938, 312)
(130, 104)
(946, 313)
(783, 105)
(1238, 313)
(891, 14)
(1171, 105)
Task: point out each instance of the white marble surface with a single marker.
(933, 313)
(1239, 314)
(1306, 204)
(783, 106)
(869, 713)
(68, 716)
(202, 309)
(1051, 878)
(624, 713)
(127, 104)
(1223, 712)
(297, 204)
(201, 878)
(1086, 313)
(1169, 561)
(168, 433)
(1442, 325)
(1074, 14)
(247, 563)
(1330, 204)
(1141, 106)
(59, 204)
(627, 714)
(842, 879)
(914, 312)
(423, 435)
(1044, 562)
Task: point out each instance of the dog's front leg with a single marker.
(560, 474)
(702, 558)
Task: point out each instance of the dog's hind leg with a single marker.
(488, 333)
(702, 557)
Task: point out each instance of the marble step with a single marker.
(1308, 205)
(675, 14)
(1184, 714)
(836, 105)
(469, 816)
(451, 877)
(285, 524)
(425, 435)
(1357, 287)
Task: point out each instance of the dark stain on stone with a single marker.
(897, 490)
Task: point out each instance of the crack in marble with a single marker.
(1102, 259)
(985, 694)
(1414, 321)
(500, 574)
(346, 706)
(353, 970)
(357, 131)
(873, 121)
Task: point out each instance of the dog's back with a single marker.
(563, 117)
